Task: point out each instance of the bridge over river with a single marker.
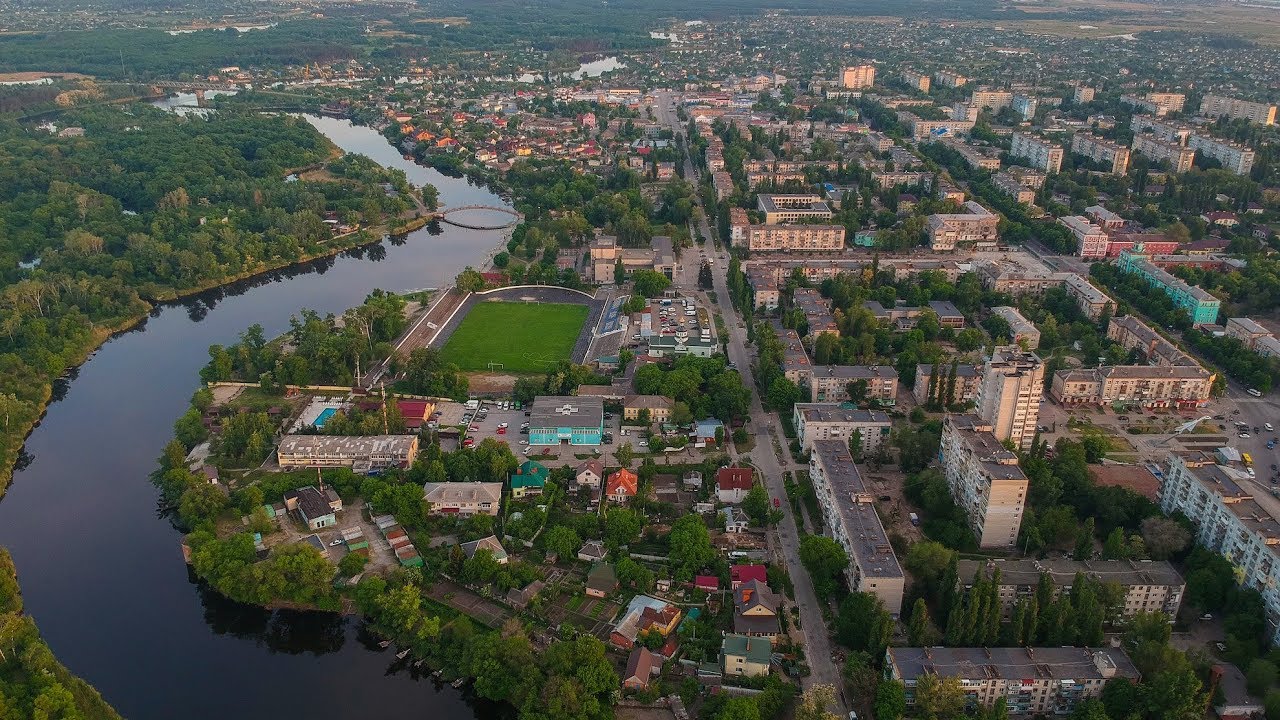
(444, 216)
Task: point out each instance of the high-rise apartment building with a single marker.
(795, 238)
(1009, 396)
(1235, 157)
(949, 78)
(985, 480)
(915, 80)
(996, 100)
(1091, 240)
(978, 228)
(1041, 153)
(1179, 157)
(858, 77)
(1026, 106)
(1101, 150)
(1218, 105)
(1159, 104)
(1084, 94)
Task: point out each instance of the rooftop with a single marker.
(857, 513)
(553, 411)
(1055, 663)
(835, 412)
(1063, 572)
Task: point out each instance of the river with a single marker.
(102, 572)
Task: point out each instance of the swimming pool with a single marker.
(324, 416)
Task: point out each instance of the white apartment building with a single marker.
(1011, 186)
(1026, 106)
(1229, 521)
(985, 480)
(1042, 154)
(1256, 112)
(1235, 157)
(830, 421)
(849, 513)
(1247, 331)
(858, 77)
(1091, 301)
(1091, 240)
(779, 209)
(977, 228)
(1167, 130)
(950, 78)
(1179, 157)
(1149, 585)
(1159, 104)
(1101, 150)
(1009, 395)
(1084, 94)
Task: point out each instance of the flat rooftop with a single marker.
(855, 506)
(564, 411)
(834, 412)
(1052, 663)
(1063, 572)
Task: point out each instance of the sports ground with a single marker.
(515, 336)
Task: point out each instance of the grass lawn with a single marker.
(524, 337)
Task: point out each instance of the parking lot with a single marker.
(490, 426)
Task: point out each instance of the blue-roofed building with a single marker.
(706, 429)
(557, 420)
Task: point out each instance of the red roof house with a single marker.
(733, 483)
(621, 485)
(739, 574)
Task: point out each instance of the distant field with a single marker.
(524, 337)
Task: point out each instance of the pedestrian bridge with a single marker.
(445, 216)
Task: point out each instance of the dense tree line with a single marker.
(706, 385)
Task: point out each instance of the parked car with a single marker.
(1244, 436)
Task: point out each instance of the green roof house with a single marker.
(745, 656)
(529, 479)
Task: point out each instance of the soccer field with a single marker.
(524, 337)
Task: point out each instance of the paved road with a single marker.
(817, 643)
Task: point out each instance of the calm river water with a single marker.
(102, 572)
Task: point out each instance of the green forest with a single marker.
(148, 206)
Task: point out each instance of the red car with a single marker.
(776, 503)
(502, 431)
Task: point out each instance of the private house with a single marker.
(416, 413)
(692, 480)
(705, 430)
(735, 520)
(733, 484)
(755, 610)
(486, 543)
(641, 666)
(520, 598)
(317, 508)
(592, 551)
(621, 485)
(589, 474)
(644, 614)
(706, 583)
(739, 574)
(658, 408)
(462, 498)
(529, 479)
(602, 581)
(745, 656)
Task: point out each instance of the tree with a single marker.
(650, 283)
(920, 632)
(825, 560)
(756, 505)
(625, 454)
(891, 700)
(705, 280)
(814, 703)
(469, 280)
(1260, 677)
(690, 547)
(1164, 537)
(939, 698)
(351, 564)
(562, 540)
(190, 429)
(622, 525)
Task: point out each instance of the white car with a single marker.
(502, 425)
(643, 443)
(524, 442)
(1244, 436)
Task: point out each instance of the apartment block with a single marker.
(994, 100)
(1158, 104)
(1179, 157)
(915, 80)
(973, 156)
(1032, 681)
(1234, 157)
(1091, 301)
(922, 129)
(968, 378)
(878, 142)
(462, 498)
(1025, 334)
(1149, 585)
(950, 78)
(831, 383)
(1084, 94)
(985, 480)
(1199, 305)
(1042, 154)
(1182, 386)
(1091, 240)
(361, 453)
(795, 238)
(1255, 112)
(1025, 105)
(1167, 130)
(764, 287)
(817, 311)
(1102, 151)
(1229, 521)
(1247, 331)
(1009, 395)
(1010, 185)
(858, 77)
(964, 111)
(849, 513)
(780, 209)
(831, 421)
(1131, 333)
(1104, 218)
(977, 227)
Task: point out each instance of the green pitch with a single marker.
(524, 337)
